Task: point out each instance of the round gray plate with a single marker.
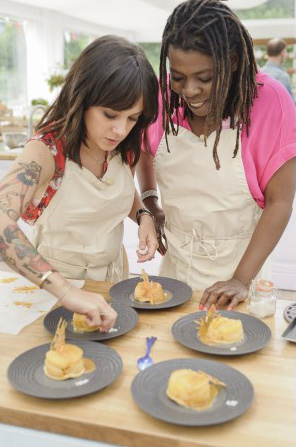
(149, 391)
(26, 373)
(256, 334)
(178, 291)
(126, 320)
(290, 312)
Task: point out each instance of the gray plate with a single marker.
(149, 391)
(126, 320)
(178, 291)
(26, 373)
(290, 312)
(290, 333)
(256, 334)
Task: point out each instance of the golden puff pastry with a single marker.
(80, 324)
(63, 360)
(216, 330)
(149, 291)
(196, 390)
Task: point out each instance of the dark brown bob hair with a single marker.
(111, 72)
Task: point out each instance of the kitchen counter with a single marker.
(9, 154)
(112, 416)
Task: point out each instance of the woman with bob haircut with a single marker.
(224, 155)
(74, 183)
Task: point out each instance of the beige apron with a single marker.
(80, 232)
(210, 214)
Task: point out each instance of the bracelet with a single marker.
(45, 276)
(140, 213)
(149, 193)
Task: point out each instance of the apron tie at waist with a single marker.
(202, 243)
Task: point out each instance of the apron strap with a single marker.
(203, 244)
(115, 270)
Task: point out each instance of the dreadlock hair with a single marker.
(110, 72)
(210, 27)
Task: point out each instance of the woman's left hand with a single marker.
(147, 238)
(232, 291)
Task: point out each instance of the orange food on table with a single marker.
(80, 324)
(149, 291)
(63, 360)
(217, 330)
(196, 390)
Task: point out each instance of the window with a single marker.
(272, 9)
(13, 68)
(74, 44)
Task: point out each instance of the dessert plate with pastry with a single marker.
(192, 392)
(154, 292)
(62, 370)
(78, 329)
(221, 332)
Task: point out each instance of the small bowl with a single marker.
(14, 139)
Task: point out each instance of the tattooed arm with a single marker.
(28, 179)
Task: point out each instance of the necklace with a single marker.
(98, 162)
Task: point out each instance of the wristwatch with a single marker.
(142, 211)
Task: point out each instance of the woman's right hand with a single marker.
(98, 312)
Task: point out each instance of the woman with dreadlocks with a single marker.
(223, 151)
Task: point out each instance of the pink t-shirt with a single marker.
(272, 135)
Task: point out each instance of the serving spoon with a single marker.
(144, 362)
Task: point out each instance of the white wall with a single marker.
(283, 268)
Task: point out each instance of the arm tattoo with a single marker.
(15, 239)
(28, 174)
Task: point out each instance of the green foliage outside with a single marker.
(12, 60)
(152, 51)
(55, 80)
(74, 44)
(39, 101)
(272, 9)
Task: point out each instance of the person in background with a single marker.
(277, 54)
(74, 179)
(223, 155)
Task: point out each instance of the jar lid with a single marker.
(264, 285)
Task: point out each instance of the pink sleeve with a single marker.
(272, 137)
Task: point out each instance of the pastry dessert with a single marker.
(216, 330)
(149, 291)
(196, 390)
(80, 324)
(63, 360)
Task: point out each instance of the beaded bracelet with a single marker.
(149, 193)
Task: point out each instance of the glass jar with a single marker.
(262, 298)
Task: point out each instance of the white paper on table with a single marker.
(18, 309)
